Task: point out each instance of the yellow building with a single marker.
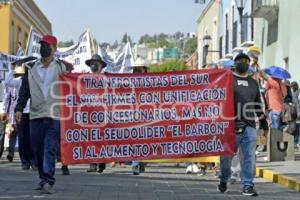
(16, 19)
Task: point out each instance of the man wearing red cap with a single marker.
(40, 85)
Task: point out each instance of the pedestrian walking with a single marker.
(40, 85)
(248, 102)
(96, 65)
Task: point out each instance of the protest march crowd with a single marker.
(265, 98)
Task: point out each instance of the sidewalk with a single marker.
(160, 182)
(285, 173)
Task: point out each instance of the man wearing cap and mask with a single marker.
(40, 85)
(97, 65)
(248, 106)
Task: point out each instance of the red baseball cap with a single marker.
(49, 39)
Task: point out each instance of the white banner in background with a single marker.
(121, 63)
(77, 54)
(5, 62)
(34, 45)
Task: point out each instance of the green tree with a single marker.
(115, 44)
(169, 66)
(190, 46)
(126, 38)
(146, 39)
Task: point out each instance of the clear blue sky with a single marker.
(110, 19)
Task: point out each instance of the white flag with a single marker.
(77, 54)
(120, 62)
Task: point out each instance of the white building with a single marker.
(277, 33)
(230, 25)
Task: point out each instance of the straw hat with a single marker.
(139, 62)
(20, 70)
(254, 49)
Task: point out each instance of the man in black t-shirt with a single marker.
(248, 107)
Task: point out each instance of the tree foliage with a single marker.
(168, 66)
(190, 46)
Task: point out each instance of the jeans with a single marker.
(275, 119)
(25, 149)
(246, 142)
(297, 134)
(12, 143)
(2, 137)
(44, 133)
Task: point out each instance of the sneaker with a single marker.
(34, 168)
(222, 187)
(65, 170)
(232, 180)
(39, 187)
(48, 189)
(249, 191)
(202, 172)
(136, 170)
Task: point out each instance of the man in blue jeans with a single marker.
(248, 106)
(40, 85)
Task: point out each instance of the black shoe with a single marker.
(100, 170)
(34, 168)
(249, 191)
(9, 158)
(142, 167)
(136, 170)
(65, 170)
(25, 167)
(222, 187)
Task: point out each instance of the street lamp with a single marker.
(206, 42)
(240, 4)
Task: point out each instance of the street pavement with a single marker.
(161, 181)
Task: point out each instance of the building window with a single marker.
(19, 37)
(25, 39)
(234, 34)
(226, 35)
(220, 46)
(272, 32)
(12, 37)
(245, 28)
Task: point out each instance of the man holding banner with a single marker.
(97, 65)
(248, 106)
(40, 85)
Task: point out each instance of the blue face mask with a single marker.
(242, 67)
